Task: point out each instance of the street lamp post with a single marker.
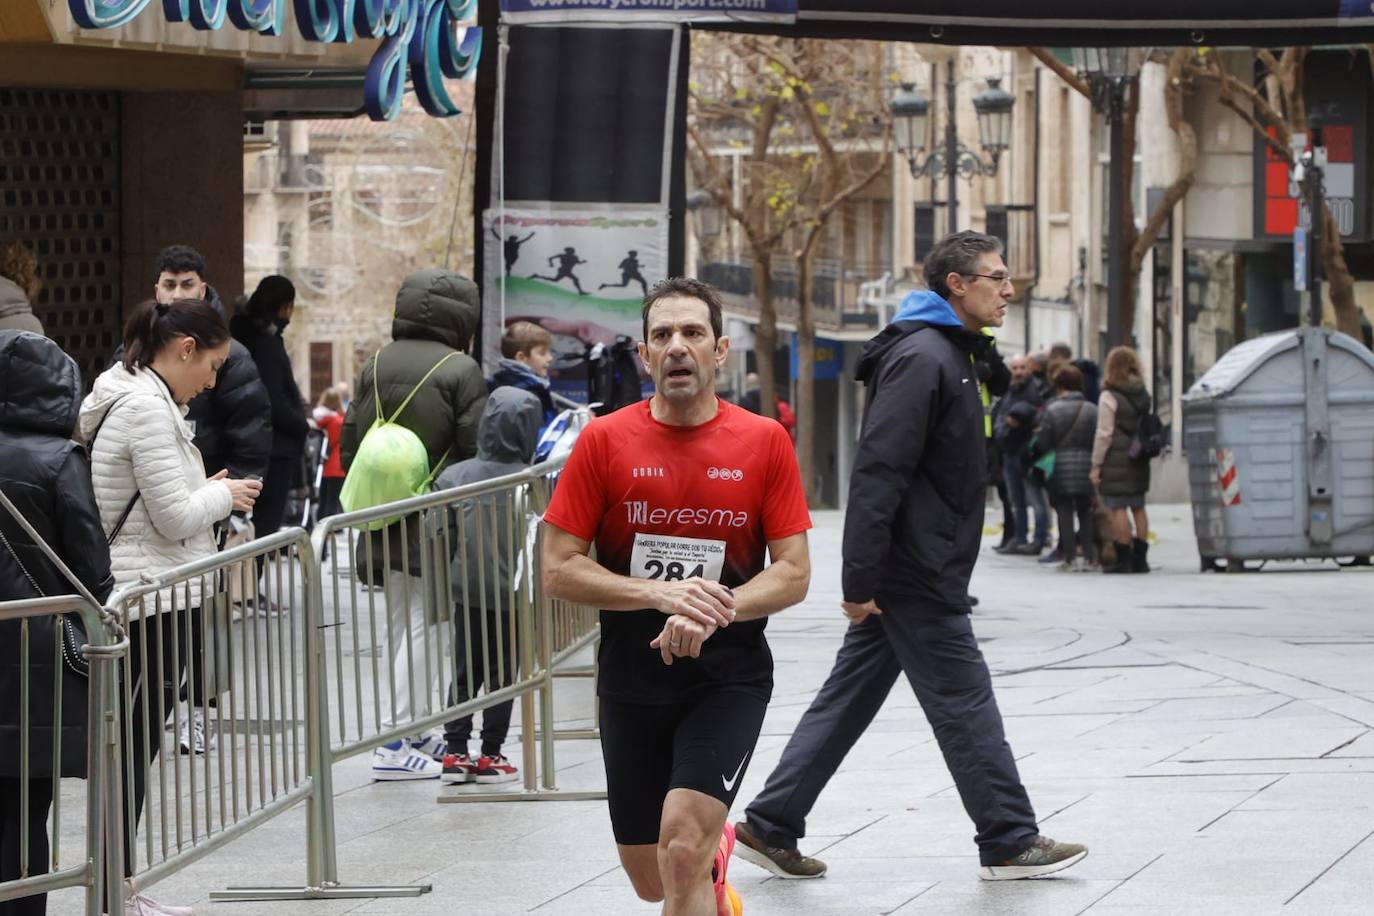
(1110, 71)
(911, 117)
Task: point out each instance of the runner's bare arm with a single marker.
(783, 584)
(570, 574)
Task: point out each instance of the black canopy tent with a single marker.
(1008, 23)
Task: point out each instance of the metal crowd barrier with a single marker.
(291, 685)
(245, 667)
(102, 798)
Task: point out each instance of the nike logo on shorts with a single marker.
(730, 783)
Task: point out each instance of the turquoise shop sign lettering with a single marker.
(420, 38)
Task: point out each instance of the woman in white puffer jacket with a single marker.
(146, 471)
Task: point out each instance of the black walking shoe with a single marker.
(785, 863)
(1124, 557)
(1044, 857)
(1140, 556)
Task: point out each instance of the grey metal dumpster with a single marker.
(1280, 442)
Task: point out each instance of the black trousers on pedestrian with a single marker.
(493, 670)
(942, 661)
(1008, 512)
(1066, 507)
(156, 678)
(12, 829)
(330, 488)
(270, 507)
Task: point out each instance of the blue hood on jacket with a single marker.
(924, 305)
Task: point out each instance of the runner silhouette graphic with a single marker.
(566, 262)
(510, 247)
(629, 270)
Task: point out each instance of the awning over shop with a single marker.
(1082, 22)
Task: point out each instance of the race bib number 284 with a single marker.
(661, 556)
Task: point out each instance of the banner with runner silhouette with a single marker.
(582, 274)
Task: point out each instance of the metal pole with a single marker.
(952, 146)
(1316, 213)
(1116, 237)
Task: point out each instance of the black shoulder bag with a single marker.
(73, 627)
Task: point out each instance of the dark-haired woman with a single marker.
(259, 327)
(148, 474)
(48, 478)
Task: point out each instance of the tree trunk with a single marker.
(1339, 281)
(1129, 266)
(766, 335)
(806, 381)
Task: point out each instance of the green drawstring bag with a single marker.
(392, 462)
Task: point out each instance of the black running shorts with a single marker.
(704, 744)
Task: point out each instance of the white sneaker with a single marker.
(143, 905)
(431, 743)
(195, 737)
(398, 761)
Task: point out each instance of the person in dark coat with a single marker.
(48, 478)
(995, 378)
(484, 574)
(911, 537)
(1067, 428)
(259, 328)
(1013, 422)
(1122, 480)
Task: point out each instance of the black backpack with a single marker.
(1148, 440)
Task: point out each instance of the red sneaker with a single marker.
(494, 769)
(458, 769)
(727, 901)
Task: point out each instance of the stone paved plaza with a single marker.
(1209, 736)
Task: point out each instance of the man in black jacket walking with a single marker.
(912, 534)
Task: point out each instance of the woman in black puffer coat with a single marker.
(1067, 428)
(48, 478)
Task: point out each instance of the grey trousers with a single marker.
(941, 659)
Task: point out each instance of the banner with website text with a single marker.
(580, 274)
(526, 12)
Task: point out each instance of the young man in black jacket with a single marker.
(912, 533)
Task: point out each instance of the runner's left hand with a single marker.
(682, 637)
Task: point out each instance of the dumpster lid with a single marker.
(1236, 365)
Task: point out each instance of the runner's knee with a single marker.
(684, 848)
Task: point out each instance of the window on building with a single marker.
(925, 231)
(321, 368)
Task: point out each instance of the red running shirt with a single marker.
(671, 502)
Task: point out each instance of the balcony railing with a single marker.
(835, 288)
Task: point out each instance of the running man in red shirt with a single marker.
(681, 494)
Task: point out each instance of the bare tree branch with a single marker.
(1188, 156)
(1073, 80)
